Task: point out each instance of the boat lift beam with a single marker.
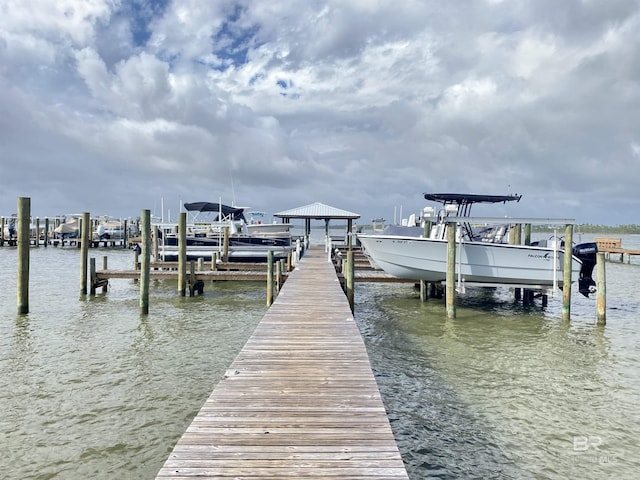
(524, 220)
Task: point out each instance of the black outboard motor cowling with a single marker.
(586, 253)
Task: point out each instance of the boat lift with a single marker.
(460, 283)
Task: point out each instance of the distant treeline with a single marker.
(589, 228)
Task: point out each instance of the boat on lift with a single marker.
(484, 256)
(206, 224)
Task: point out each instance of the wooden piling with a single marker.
(278, 282)
(350, 279)
(527, 234)
(145, 263)
(36, 242)
(192, 278)
(424, 291)
(24, 215)
(125, 235)
(566, 281)
(104, 267)
(225, 245)
(46, 231)
(451, 270)
(182, 254)
(94, 281)
(85, 241)
(92, 276)
(601, 285)
(156, 242)
(269, 278)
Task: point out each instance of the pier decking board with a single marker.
(299, 400)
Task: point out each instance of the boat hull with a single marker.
(476, 262)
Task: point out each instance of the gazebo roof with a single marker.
(317, 211)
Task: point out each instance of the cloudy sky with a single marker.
(113, 106)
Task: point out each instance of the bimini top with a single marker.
(237, 213)
(470, 198)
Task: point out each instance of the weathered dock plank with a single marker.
(299, 400)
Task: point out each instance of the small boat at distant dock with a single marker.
(248, 242)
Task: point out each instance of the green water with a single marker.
(89, 388)
(505, 391)
(92, 389)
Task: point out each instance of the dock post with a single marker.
(192, 278)
(278, 281)
(125, 234)
(269, 278)
(451, 270)
(92, 276)
(46, 231)
(182, 254)
(601, 285)
(85, 240)
(36, 243)
(527, 234)
(24, 214)
(225, 246)
(156, 241)
(566, 281)
(104, 267)
(350, 280)
(424, 291)
(145, 264)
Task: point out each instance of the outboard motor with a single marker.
(586, 253)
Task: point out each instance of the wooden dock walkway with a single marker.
(300, 399)
(614, 245)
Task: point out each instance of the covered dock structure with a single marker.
(320, 211)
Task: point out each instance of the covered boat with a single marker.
(205, 235)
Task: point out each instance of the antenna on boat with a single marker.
(233, 191)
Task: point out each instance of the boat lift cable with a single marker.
(460, 288)
(555, 262)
